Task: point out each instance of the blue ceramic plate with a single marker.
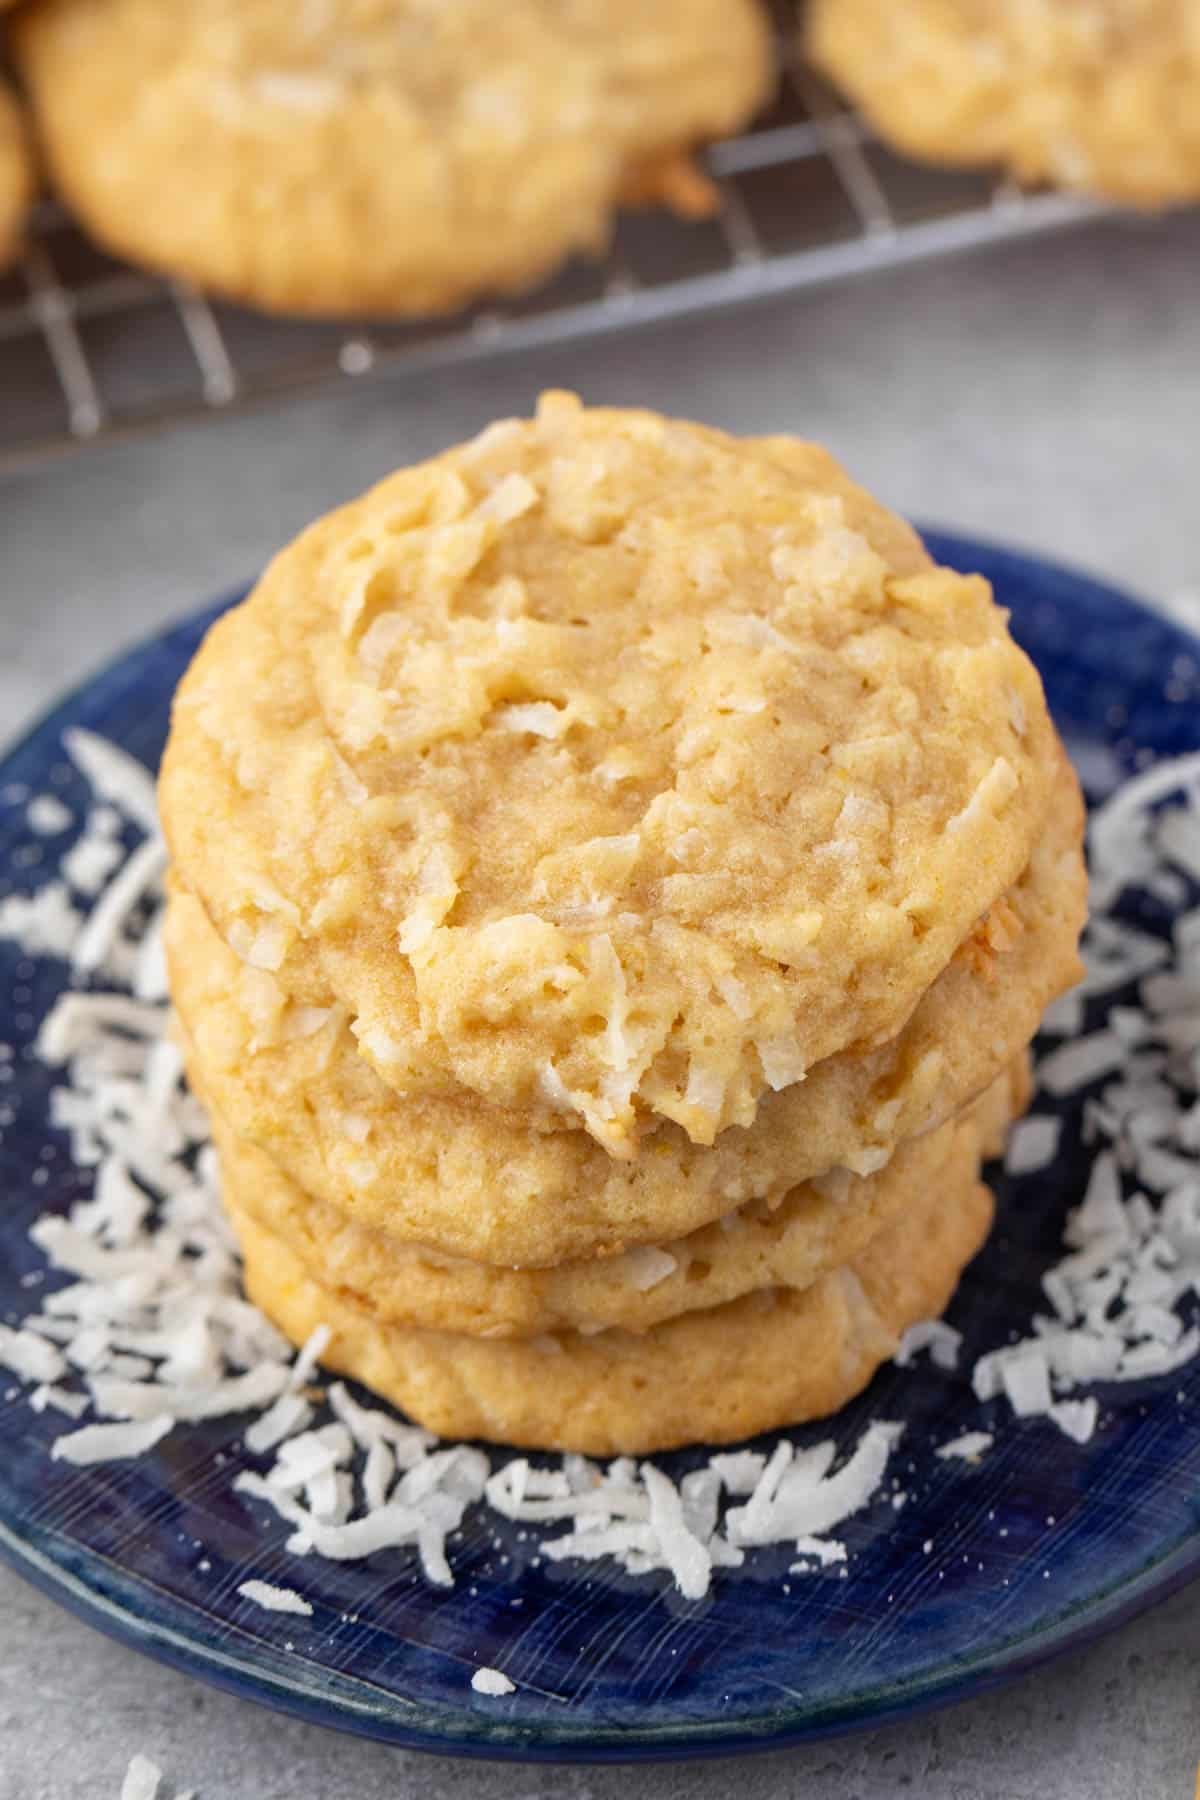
(1038, 1549)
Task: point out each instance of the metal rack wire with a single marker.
(91, 349)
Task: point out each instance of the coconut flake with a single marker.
(647, 1266)
(305, 1365)
(61, 1399)
(940, 1339)
(782, 1062)
(967, 1448)
(379, 1471)
(996, 788)
(47, 816)
(43, 924)
(492, 1682)
(30, 1356)
(1033, 1144)
(739, 1471)
(115, 775)
(1076, 1418)
(90, 861)
(1064, 1016)
(1179, 840)
(110, 1443)
(685, 1556)
(303, 1459)
(817, 1552)
(539, 718)
(275, 1599)
(1077, 1064)
(798, 1498)
(1025, 1376)
(282, 1419)
(142, 1780)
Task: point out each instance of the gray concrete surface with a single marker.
(1048, 394)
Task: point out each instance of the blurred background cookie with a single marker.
(1098, 95)
(16, 174)
(387, 156)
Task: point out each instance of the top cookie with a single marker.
(375, 155)
(1099, 95)
(608, 764)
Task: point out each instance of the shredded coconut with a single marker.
(1130, 1262)
(942, 1342)
(43, 924)
(275, 1599)
(821, 1553)
(1033, 1144)
(540, 718)
(493, 1682)
(116, 776)
(142, 1780)
(1081, 1061)
(798, 1497)
(967, 1448)
(48, 816)
(110, 1443)
(647, 1266)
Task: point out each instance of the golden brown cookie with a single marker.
(606, 767)
(473, 1181)
(16, 175)
(1099, 95)
(389, 156)
(770, 1359)
(814, 1228)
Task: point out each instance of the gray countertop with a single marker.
(1046, 394)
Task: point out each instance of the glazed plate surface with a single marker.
(982, 1572)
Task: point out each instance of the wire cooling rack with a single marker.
(91, 349)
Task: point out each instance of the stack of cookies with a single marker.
(615, 878)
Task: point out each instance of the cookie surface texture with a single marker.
(608, 769)
(471, 1180)
(1096, 95)
(390, 156)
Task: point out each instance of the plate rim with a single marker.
(77, 1578)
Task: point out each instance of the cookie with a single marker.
(1097, 95)
(606, 767)
(16, 175)
(774, 1358)
(815, 1228)
(473, 1181)
(387, 156)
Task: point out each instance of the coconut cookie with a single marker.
(388, 156)
(1099, 95)
(815, 1228)
(774, 1358)
(474, 1181)
(16, 175)
(608, 767)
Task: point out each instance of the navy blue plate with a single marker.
(1037, 1549)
